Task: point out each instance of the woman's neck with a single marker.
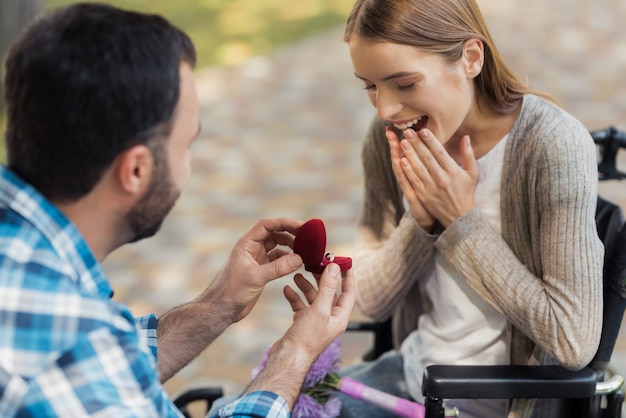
(485, 129)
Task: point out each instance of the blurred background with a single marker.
(283, 118)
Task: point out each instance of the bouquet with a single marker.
(318, 396)
(314, 402)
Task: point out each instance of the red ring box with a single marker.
(310, 244)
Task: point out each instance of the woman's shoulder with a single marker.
(545, 123)
(547, 137)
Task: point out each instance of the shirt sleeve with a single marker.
(259, 404)
(105, 373)
(146, 327)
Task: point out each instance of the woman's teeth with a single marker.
(409, 124)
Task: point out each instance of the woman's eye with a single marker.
(406, 86)
(370, 87)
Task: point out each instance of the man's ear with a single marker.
(473, 57)
(134, 169)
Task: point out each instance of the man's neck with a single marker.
(98, 224)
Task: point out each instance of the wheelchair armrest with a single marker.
(507, 382)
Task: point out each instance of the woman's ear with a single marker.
(473, 57)
(134, 169)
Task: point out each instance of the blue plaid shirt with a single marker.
(66, 348)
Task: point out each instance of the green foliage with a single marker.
(227, 32)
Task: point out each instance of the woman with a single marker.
(477, 231)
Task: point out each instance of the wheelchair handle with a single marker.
(610, 140)
(610, 386)
(451, 412)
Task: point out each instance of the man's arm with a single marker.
(274, 391)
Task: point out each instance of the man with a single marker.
(102, 110)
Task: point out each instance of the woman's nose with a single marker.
(387, 105)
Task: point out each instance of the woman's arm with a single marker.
(391, 250)
(386, 267)
(544, 273)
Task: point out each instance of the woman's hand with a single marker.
(432, 180)
(419, 212)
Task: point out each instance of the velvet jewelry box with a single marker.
(310, 244)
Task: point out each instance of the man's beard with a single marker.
(145, 219)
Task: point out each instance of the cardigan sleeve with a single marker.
(387, 267)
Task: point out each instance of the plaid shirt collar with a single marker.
(82, 266)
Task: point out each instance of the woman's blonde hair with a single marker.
(441, 27)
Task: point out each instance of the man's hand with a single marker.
(255, 260)
(325, 315)
(317, 322)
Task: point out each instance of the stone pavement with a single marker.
(281, 137)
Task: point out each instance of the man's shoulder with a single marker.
(25, 251)
(42, 280)
(47, 312)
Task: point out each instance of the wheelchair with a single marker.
(593, 392)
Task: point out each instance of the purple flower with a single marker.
(327, 362)
(307, 407)
(317, 398)
(262, 364)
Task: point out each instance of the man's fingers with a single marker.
(328, 287)
(278, 238)
(294, 300)
(280, 267)
(276, 253)
(348, 284)
(264, 228)
(308, 290)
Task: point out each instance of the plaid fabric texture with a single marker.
(66, 348)
(256, 404)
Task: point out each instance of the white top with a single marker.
(461, 328)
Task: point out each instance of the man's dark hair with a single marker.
(84, 84)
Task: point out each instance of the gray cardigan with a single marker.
(543, 272)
